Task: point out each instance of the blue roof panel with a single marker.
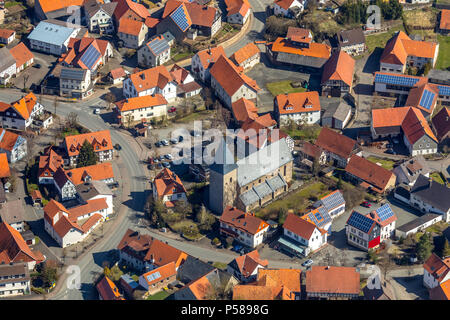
(90, 57)
(50, 33)
(401, 80)
(180, 18)
(360, 222)
(427, 99)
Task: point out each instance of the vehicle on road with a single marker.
(173, 109)
(117, 146)
(37, 66)
(366, 204)
(158, 144)
(308, 263)
(166, 164)
(165, 142)
(97, 110)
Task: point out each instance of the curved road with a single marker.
(137, 186)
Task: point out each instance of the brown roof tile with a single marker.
(336, 143)
(340, 280)
(369, 172)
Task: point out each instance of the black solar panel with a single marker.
(385, 212)
(360, 222)
(90, 57)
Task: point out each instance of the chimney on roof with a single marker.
(327, 268)
(143, 76)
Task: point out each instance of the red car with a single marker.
(173, 109)
(366, 204)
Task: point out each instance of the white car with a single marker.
(169, 156)
(97, 111)
(165, 143)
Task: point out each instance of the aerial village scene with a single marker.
(224, 150)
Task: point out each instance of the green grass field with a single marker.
(308, 133)
(443, 61)
(436, 176)
(159, 296)
(282, 87)
(385, 163)
(379, 40)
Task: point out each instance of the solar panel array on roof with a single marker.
(360, 222)
(320, 218)
(153, 276)
(427, 99)
(72, 73)
(90, 57)
(158, 46)
(385, 212)
(180, 18)
(333, 200)
(394, 79)
(444, 90)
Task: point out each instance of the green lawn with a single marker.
(181, 56)
(195, 116)
(10, 4)
(385, 163)
(282, 87)
(436, 176)
(159, 296)
(220, 265)
(443, 61)
(307, 133)
(379, 40)
(297, 201)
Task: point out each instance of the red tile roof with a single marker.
(167, 183)
(246, 52)
(388, 117)
(298, 102)
(437, 267)
(13, 247)
(4, 166)
(100, 140)
(299, 35)
(415, 97)
(108, 290)
(150, 249)
(247, 263)
(230, 77)
(165, 271)
(299, 226)
(311, 149)
(237, 6)
(340, 67)
(21, 54)
(285, 4)
(400, 46)
(244, 109)
(336, 143)
(141, 102)
(415, 126)
(332, 280)
(445, 20)
(441, 292)
(53, 5)
(124, 5)
(151, 78)
(6, 33)
(7, 139)
(49, 162)
(369, 172)
(25, 105)
(91, 206)
(198, 14)
(209, 56)
(118, 73)
(244, 221)
(130, 26)
(441, 123)
(317, 50)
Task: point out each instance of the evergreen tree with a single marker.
(446, 250)
(424, 247)
(87, 156)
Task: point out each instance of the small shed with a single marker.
(36, 196)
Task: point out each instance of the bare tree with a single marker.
(110, 98)
(26, 76)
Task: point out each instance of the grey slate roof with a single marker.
(262, 190)
(6, 59)
(350, 37)
(418, 222)
(92, 7)
(439, 76)
(50, 32)
(12, 212)
(412, 176)
(435, 194)
(89, 190)
(337, 110)
(276, 183)
(263, 161)
(73, 73)
(223, 159)
(249, 197)
(192, 269)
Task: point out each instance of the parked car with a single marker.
(159, 166)
(97, 111)
(165, 142)
(166, 164)
(158, 144)
(173, 141)
(168, 156)
(195, 133)
(366, 204)
(180, 138)
(155, 160)
(308, 263)
(173, 109)
(389, 145)
(37, 66)
(161, 157)
(117, 146)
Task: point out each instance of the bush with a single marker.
(216, 241)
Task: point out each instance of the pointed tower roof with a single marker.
(223, 159)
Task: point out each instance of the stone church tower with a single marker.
(222, 180)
